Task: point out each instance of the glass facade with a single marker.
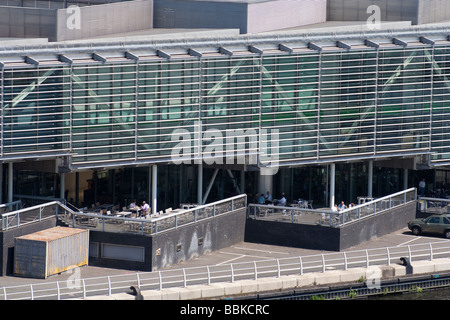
(326, 105)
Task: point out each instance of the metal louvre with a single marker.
(325, 99)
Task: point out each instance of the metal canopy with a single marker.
(200, 48)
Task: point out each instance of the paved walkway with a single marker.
(240, 252)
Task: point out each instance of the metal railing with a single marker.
(204, 275)
(10, 206)
(331, 218)
(433, 205)
(32, 214)
(153, 225)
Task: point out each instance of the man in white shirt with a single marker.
(145, 209)
(282, 201)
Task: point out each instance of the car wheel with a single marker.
(447, 234)
(416, 231)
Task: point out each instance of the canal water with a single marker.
(429, 294)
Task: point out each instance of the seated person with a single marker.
(268, 197)
(145, 209)
(342, 206)
(133, 206)
(261, 199)
(282, 201)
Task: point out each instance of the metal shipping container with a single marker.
(51, 251)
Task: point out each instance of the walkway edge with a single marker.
(307, 282)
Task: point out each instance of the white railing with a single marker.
(32, 214)
(157, 224)
(253, 270)
(330, 218)
(433, 205)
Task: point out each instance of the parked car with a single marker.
(437, 224)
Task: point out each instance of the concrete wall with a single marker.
(27, 22)
(282, 14)
(173, 246)
(390, 10)
(200, 14)
(249, 17)
(328, 238)
(198, 239)
(433, 11)
(100, 20)
(381, 224)
(295, 235)
(65, 24)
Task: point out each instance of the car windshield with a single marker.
(433, 220)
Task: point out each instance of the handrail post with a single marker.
(84, 289)
(388, 256)
(184, 278)
(232, 272)
(323, 263)
(209, 275)
(256, 270)
(431, 252)
(109, 285)
(409, 253)
(278, 267)
(345, 261)
(367, 258)
(160, 281)
(301, 266)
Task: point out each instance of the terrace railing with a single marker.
(32, 214)
(327, 217)
(156, 224)
(433, 205)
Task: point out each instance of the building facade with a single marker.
(334, 116)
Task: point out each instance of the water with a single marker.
(429, 294)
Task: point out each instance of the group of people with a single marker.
(267, 199)
(140, 211)
(341, 206)
(441, 193)
(264, 198)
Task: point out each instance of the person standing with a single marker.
(422, 185)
